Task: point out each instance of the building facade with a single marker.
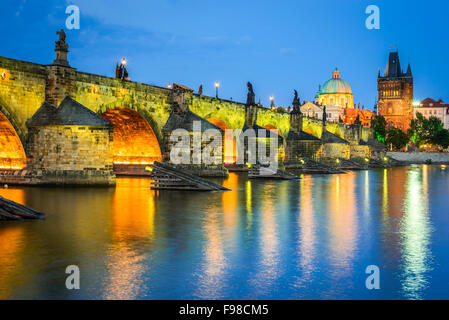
(431, 108)
(395, 93)
(313, 110)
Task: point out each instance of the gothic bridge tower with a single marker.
(395, 91)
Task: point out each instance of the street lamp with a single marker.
(272, 103)
(169, 86)
(216, 89)
(123, 62)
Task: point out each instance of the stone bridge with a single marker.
(137, 110)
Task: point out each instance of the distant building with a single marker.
(312, 110)
(335, 92)
(395, 90)
(431, 108)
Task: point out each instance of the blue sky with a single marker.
(277, 45)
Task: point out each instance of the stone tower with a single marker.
(395, 91)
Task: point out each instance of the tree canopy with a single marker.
(425, 131)
(380, 128)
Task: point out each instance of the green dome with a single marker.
(335, 85)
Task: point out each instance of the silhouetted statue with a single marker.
(357, 120)
(324, 115)
(62, 37)
(61, 49)
(200, 90)
(296, 103)
(251, 99)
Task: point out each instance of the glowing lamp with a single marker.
(366, 160)
(123, 61)
(385, 159)
(149, 169)
(337, 161)
(217, 84)
(416, 103)
(169, 86)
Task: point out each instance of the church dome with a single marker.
(336, 85)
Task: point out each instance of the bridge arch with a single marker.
(230, 151)
(135, 141)
(12, 151)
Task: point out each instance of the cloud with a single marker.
(287, 50)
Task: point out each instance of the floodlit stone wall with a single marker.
(336, 150)
(295, 150)
(360, 152)
(71, 154)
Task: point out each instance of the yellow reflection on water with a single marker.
(13, 194)
(12, 240)
(415, 231)
(230, 201)
(211, 277)
(267, 272)
(11, 255)
(307, 239)
(249, 204)
(342, 216)
(132, 228)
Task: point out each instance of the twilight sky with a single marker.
(277, 45)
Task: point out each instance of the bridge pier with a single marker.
(186, 145)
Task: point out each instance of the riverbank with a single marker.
(420, 157)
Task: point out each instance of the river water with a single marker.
(306, 239)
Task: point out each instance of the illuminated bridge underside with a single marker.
(12, 154)
(134, 139)
(230, 147)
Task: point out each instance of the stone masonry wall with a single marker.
(22, 91)
(71, 148)
(360, 152)
(336, 150)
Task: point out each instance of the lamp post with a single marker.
(216, 89)
(272, 103)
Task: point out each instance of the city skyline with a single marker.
(233, 51)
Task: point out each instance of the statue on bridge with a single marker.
(61, 49)
(324, 115)
(251, 99)
(120, 71)
(296, 103)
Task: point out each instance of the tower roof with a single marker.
(394, 66)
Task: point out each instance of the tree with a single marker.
(424, 130)
(280, 110)
(380, 128)
(397, 138)
(442, 138)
